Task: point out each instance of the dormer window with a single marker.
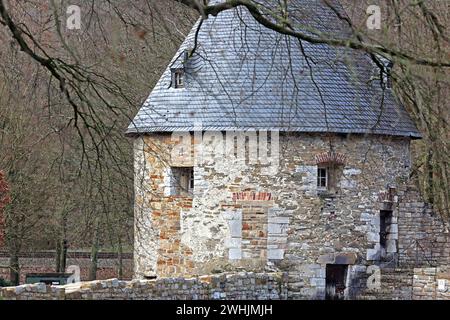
(178, 78)
(387, 75)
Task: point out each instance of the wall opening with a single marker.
(182, 181)
(328, 177)
(178, 78)
(322, 178)
(385, 225)
(336, 275)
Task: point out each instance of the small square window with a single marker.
(322, 178)
(178, 79)
(328, 178)
(182, 182)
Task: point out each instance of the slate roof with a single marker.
(245, 76)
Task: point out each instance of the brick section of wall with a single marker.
(173, 256)
(330, 157)
(254, 232)
(249, 196)
(44, 262)
(240, 286)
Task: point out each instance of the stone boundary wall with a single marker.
(396, 284)
(44, 262)
(239, 286)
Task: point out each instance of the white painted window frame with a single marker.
(319, 178)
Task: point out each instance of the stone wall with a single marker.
(44, 262)
(411, 284)
(253, 215)
(249, 217)
(431, 283)
(396, 284)
(424, 237)
(239, 286)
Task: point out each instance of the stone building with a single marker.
(259, 152)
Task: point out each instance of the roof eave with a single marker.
(136, 132)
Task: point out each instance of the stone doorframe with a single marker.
(342, 258)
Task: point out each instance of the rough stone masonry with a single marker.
(240, 219)
(418, 284)
(238, 286)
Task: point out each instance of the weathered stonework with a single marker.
(424, 238)
(404, 284)
(239, 286)
(431, 283)
(242, 218)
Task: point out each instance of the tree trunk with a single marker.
(120, 259)
(94, 262)
(430, 183)
(63, 256)
(58, 256)
(14, 268)
(94, 252)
